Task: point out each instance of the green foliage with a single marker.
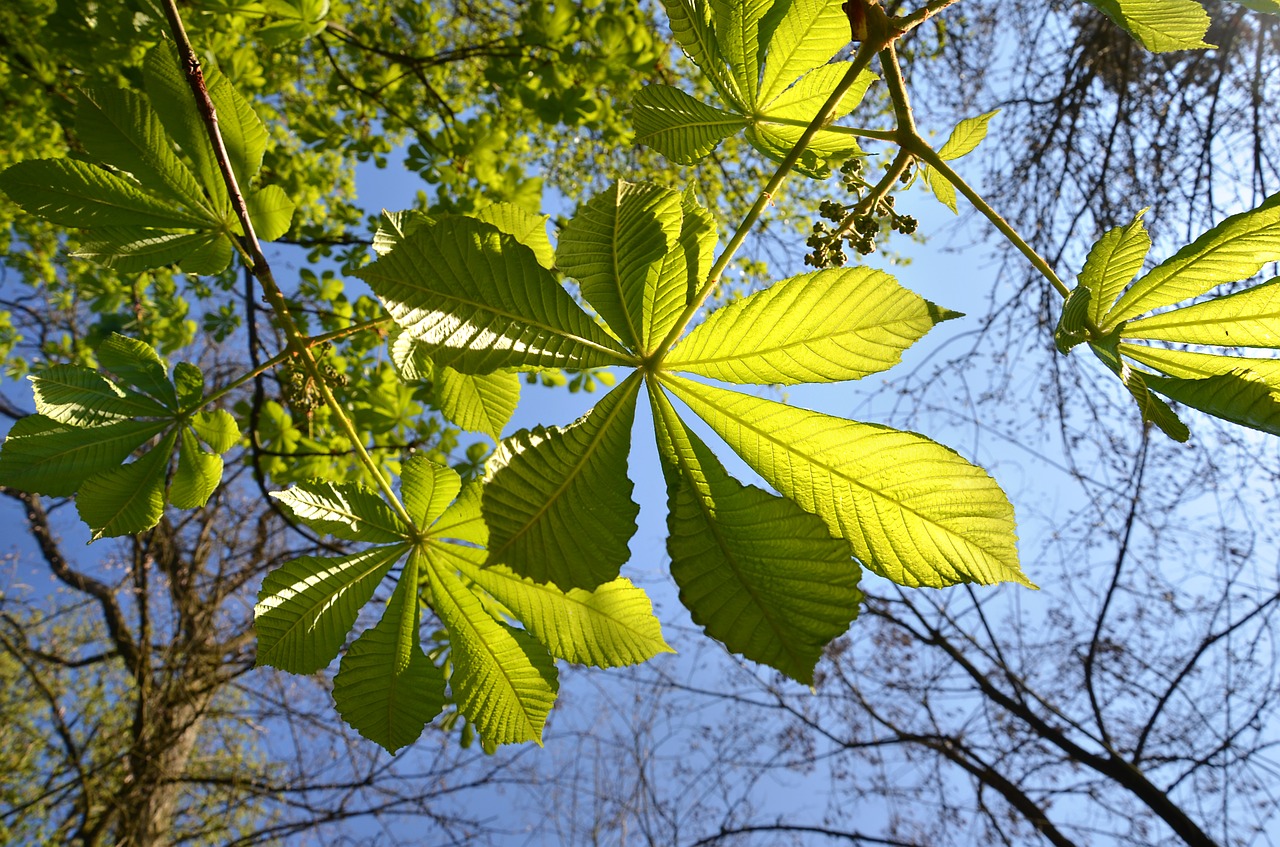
(523, 568)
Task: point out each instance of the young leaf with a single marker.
(690, 22)
(915, 512)
(527, 228)
(217, 429)
(308, 605)
(270, 210)
(170, 96)
(386, 687)
(558, 501)
(80, 397)
(1112, 264)
(188, 382)
(608, 627)
(463, 521)
(737, 32)
(755, 571)
(1185, 364)
(824, 326)
(477, 402)
(427, 489)
(1153, 409)
(45, 457)
(127, 499)
(343, 510)
(138, 365)
(1161, 25)
(698, 237)
(138, 249)
(615, 246)
(678, 126)
(1235, 249)
(503, 681)
(964, 139)
(479, 301)
(809, 33)
(1238, 397)
(197, 476)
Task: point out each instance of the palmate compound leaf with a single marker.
(824, 326)
(503, 681)
(610, 626)
(479, 301)
(737, 28)
(1160, 25)
(914, 511)
(557, 500)
(615, 247)
(386, 687)
(755, 571)
(307, 606)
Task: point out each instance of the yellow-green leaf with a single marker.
(809, 33)
(1248, 318)
(1112, 264)
(1161, 25)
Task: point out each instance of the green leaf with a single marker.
(297, 21)
(270, 210)
(964, 139)
(386, 687)
(824, 326)
(615, 246)
(503, 681)
(1269, 6)
(527, 228)
(188, 381)
(608, 627)
(1152, 408)
(45, 457)
(558, 500)
(464, 520)
(690, 22)
(121, 129)
(1235, 249)
(1248, 318)
(1238, 397)
(1071, 330)
(1187, 365)
(427, 489)
(698, 237)
(128, 499)
(171, 97)
(754, 570)
(242, 132)
(737, 32)
(477, 402)
(915, 512)
(217, 429)
(79, 397)
(1160, 25)
(72, 193)
(809, 33)
(308, 605)
(138, 365)
(343, 510)
(393, 227)
(138, 249)
(798, 105)
(678, 126)
(197, 476)
(479, 301)
(1112, 264)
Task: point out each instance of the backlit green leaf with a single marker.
(137, 249)
(477, 402)
(427, 489)
(479, 301)
(1161, 25)
(690, 22)
(307, 606)
(1188, 365)
(1238, 397)
(197, 476)
(755, 571)
(966, 136)
(615, 246)
(737, 32)
(1233, 250)
(386, 687)
(823, 326)
(524, 226)
(608, 627)
(558, 500)
(809, 33)
(1248, 318)
(170, 96)
(242, 132)
(464, 520)
(188, 382)
(1112, 264)
(128, 499)
(914, 511)
(270, 210)
(138, 365)
(217, 429)
(343, 510)
(503, 681)
(80, 397)
(678, 126)
(1152, 408)
(698, 237)
(72, 193)
(43, 456)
